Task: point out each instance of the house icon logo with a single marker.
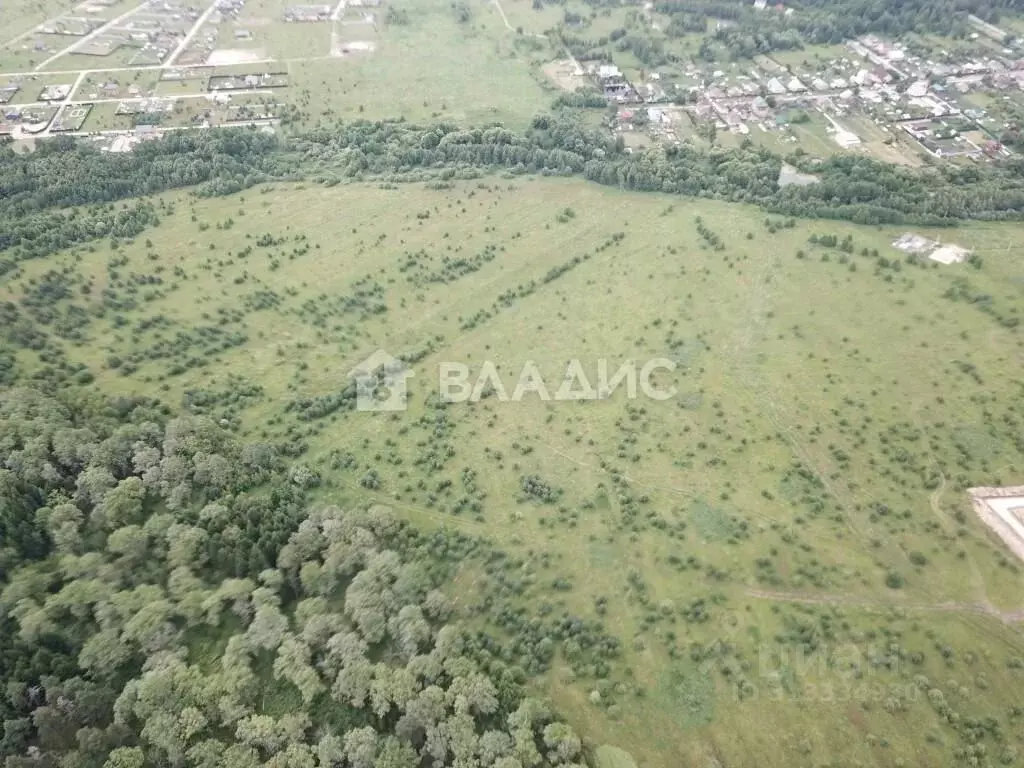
(381, 383)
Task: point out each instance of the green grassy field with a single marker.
(810, 56)
(783, 548)
(430, 66)
(120, 58)
(91, 86)
(23, 56)
(521, 13)
(19, 16)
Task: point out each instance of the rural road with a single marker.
(184, 96)
(157, 129)
(151, 67)
(504, 18)
(190, 36)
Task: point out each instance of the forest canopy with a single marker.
(129, 543)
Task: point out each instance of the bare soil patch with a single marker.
(566, 74)
(1002, 510)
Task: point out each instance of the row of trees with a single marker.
(851, 187)
(36, 190)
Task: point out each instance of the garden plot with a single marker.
(71, 118)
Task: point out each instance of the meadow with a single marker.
(19, 16)
(783, 548)
(428, 64)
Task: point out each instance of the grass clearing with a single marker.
(433, 66)
(766, 504)
(810, 55)
(20, 16)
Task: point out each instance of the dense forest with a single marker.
(133, 539)
(828, 22)
(825, 21)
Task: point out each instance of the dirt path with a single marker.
(504, 18)
(806, 598)
(977, 580)
(510, 28)
(739, 353)
(203, 18)
(979, 587)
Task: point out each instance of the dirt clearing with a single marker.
(1002, 510)
(225, 57)
(566, 74)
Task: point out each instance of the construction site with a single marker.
(1002, 510)
(943, 253)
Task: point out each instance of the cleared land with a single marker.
(1002, 510)
(785, 549)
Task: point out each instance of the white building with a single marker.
(864, 77)
(658, 116)
(949, 254)
(918, 89)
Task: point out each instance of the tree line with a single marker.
(66, 194)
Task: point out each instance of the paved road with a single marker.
(78, 82)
